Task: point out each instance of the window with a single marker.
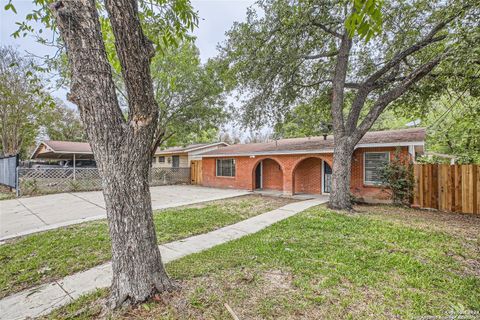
(225, 167)
(161, 159)
(373, 165)
(175, 161)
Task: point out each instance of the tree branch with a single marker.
(135, 52)
(327, 29)
(385, 99)
(92, 87)
(321, 55)
(338, 86)
(397, 59)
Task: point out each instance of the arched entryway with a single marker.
(312, 176)
(268, 175)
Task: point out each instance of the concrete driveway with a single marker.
(23, 216)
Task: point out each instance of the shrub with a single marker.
(397, 176)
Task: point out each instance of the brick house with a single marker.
(303, 165)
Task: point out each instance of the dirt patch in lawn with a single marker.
(456, 224)
(250, 294)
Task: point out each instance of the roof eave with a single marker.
(330, 150)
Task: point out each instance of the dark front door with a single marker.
(327, 178)
(258, 176)
(175, 161)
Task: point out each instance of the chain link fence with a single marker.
(168, 176)
(37, 181)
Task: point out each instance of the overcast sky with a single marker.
(216, 17)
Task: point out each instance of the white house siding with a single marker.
(185, 160)
(183, 163)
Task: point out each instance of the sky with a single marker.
(216, 17)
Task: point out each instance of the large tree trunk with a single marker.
(122, 147)
(137, 266)
(341, 174)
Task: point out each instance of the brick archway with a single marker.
(307, 175)
(271, 175)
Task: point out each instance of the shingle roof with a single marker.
(312, 144)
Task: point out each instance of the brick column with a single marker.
(288, 178)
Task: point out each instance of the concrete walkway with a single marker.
(43, 299)
(19, 217)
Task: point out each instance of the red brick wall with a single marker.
(300, 173)
(272, 175)
(308, 176)
(357, 187)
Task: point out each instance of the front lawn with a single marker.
(322, 264)
(50, 255)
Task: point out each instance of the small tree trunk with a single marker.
(138, 271)
(341, 173)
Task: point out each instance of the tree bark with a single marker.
(122, 148)
(341, 174)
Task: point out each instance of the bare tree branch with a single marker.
(321, 55)
(326, 29)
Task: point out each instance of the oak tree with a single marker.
(289, 53)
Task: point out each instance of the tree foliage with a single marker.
(285, 53)
(64, 124)
(24, 103)
(306, 120)
(189, 94)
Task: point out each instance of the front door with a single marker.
(258, 176)
(327, 178)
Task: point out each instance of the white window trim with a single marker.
(371, 183)
(234, 166)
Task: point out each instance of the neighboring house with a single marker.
(62, 150)
(181, 157)
(304, 165)
(174, 157)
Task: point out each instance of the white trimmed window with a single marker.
(225, 168)
(161, 159)
(373, 163)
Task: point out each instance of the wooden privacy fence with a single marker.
(454, 188)
(196, 172)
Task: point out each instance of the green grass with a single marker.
(323, 265)
(43, 257)
(7, 195)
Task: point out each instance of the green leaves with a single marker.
(189, 95)
(167, 23)
(11, 7)
(366, 19)
(24, 102)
